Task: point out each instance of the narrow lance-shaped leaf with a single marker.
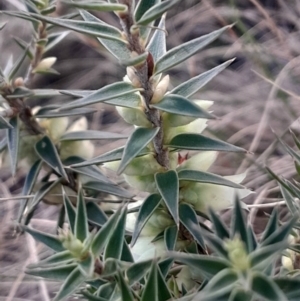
(17, 64)
(49, 240)
(135, 144)
(24, 46)
(56, 259)
(95, 214)
(189, 219)
(4, 124)
(67, 113)
(115, 242)
(138, 270)
(272, 225)
(91, 28)
(182, 52)
(151, 288)
(170, 237)
(193, 85)
(179, 105)
(57, 272)
(87, 266)
(145, 212)
(142, 7)
(81, 224)
(290, 200)
(117, 48)
(200, 142)
(54, 39)
(12, 136)
(168, 185)
(205, 177)
(157, 44)
(156, 11)
(97, 6)
(91, 135)
(48, 153)
(126, 293)
(163, 290)
(70, 211)
(73, 282)
(103, 94)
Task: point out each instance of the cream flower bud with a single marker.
(173, 120)
(133, 77)
(160, 89)
(134, 116)
(45, 64)
(57, 127)
(142, 183)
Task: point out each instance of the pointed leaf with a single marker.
(87, 266)
(90, 28)
(170, 237)
(126, 294)
(267, 288)
(190, 87)
(156, 11)
(57, 272)
(200, 142)
(54, 39)
(290, 286)
(136, 60)
(271, 226)
(157, 44)
(93, 172)
(147, 208)
(115, 242)
(46, 150)
(240, 295)
(168, 185)
(49, 240)
(70, 211)
(12, 136)
(71, 284)
(179, 105)
(97, 6)
(126, 254)
(24, 46)
(117, 48)
(163, 290)
(81, 224)
(216, 244)
(290, 200)
(165, 266)
(95, 214)
(151, 288)
(189, 219)
(143, 6)
(182, 52)
(106, 93)
(137, 141)
(108, 188)
(4, 124)
(138, 270)
(205, 177)
(91, 135)
(67, 113)
(57, 259)
(104, 233)
(17, 65)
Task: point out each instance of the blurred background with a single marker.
(257, 95)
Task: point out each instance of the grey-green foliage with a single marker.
(149, 251)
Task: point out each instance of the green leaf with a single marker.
(126, 294)
(240, 295)
(165, 265)
(4, 124)
(108, 188)
(47, 151)
(97, 6)
(219, 285)
(135, 61)
(54, 114)
(115, 242)
(193, 85)
(24, 46)
(290, 286)
(216, 244)
(207, 265)
(179, 105)
(30, 180)
(289, 199)
(281, 233)
(138, 270)
(13, 138)
(104, 233)
(58, 272)
(20, 92)
(17, 65)
(70, 211)
(271, 226)
(163, 290)
(95, 214)
(205, 177)
(57, 259)
(168, 185)
(239, 226)
(142, 7)
(200, 142)
(71, 284)
(91, 135)
(2, 25)
(155, 12)
(106, 93)
(189, 219)
(137, 141)
(49, 240)
(54, 39)
(266, 288)
(147, 208)
(117, 48)
(151, 288)
(81, 224)
(91, 297)
(170, 237)
(157, 44)
(87, 266)
(126, 254)
(90, 28)
(182, 52)
(127, 101)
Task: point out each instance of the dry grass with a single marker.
(259, 93)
